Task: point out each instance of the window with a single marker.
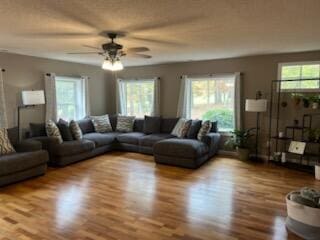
(70, 95)
(213, 98)
(137, 97)
(302, 70)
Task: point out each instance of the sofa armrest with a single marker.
(212, 140)
(28, 146)
(48, 143)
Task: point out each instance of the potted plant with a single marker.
(313, 134)
(306, 102)
(240, 141)
(314, 101)
(296, 98)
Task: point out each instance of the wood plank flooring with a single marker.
(126, 196)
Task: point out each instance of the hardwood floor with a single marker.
(126, 196)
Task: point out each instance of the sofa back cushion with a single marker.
(113, 121)
(167, 124)
(37, 129)
(13, 135)
(86, 125)
(64, 130)
(214, 127)
(194, 129)
(151, 125)
(138, 125)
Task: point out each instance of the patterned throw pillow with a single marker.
(125, 124)
(5, 144)
(75, 130)
(204, 130)
(53, 131)
(101, 123)
(181, 128)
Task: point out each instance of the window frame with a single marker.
(138, 80)
(297, 90)
(79, 97)
(207, 77)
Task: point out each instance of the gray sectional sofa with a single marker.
(28, 161)
(189, 153)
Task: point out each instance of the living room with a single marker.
(201, 123)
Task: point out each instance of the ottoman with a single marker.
(188, 153)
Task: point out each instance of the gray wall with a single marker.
(258, 72)
(27, 73)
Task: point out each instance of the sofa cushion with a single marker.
(86, 125)
(150, 140)
(125, 123)
(130, 138)
(75, 130)
(167, 124)
(64, 130)
(73, 147)
(21, 161)
(101, 123)
(138, 125)
(37, 129)
(184, 148)
(194, 129)
(5, 144)
(214, 126)
(151, 125)
(53, 131)
(182, 127)
(113, 121)
(204, 130)
(101, 139)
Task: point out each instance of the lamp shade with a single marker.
(33, 97)
(256, 105)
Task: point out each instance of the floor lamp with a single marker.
(30, 99)
(258, 106)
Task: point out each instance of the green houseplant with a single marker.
(239, 140)
(314, 100)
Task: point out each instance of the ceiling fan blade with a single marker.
(139, 55)
(88, 46)
(155, 41)
(60, 35)
(137, 49)
(100, 53)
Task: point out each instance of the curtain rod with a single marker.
(211, 74)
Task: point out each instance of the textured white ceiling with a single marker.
(181, 30)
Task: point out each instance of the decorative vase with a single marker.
(317, 171)
(243, 154)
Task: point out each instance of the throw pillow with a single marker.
(75, 130)
(204, 130)
(64, 130)
(214, 126)
(5, 144)
(101, 123)
(37, 129)
(125, 123)
(53, 131)
(194, 129)
(181, 128)
(151, 125)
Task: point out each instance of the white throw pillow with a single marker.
(181, 128)
(125, 123)
(101, 123)
(53, 131)
(5, 144)
(204, 130)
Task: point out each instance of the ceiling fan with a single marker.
(112, 52)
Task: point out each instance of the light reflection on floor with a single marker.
(70, 203)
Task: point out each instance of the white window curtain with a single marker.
(3, 110)
(184, 104)
(86, 95)
(121, 96)
(50, 90)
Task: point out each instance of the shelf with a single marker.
(296, 166)
(288, 138)
(282, 138)
(306, 154)
(296, 127)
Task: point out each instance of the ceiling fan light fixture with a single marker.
(115, 65)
